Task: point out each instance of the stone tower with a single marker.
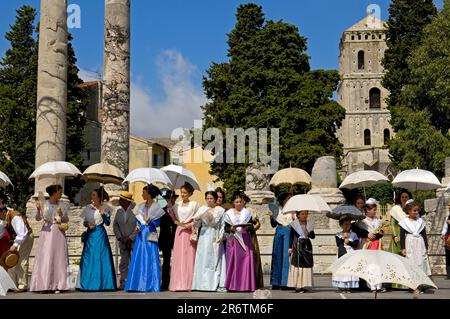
(116, 85)
(366, 127)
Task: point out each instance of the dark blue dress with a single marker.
(97, 271)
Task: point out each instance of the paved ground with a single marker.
(322, 290)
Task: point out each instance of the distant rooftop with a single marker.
(368, 23)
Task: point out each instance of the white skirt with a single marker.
(300, 277)
(6, 282)
(417, 252)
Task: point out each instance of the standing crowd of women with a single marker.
(292, 257)
(213, 249)
(209, 248)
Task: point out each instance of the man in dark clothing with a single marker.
(166, 239)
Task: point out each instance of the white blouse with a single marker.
(50, 212)
(185, 214)
(155, 212)
(92, 215)
(210, 217)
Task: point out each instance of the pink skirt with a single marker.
(183, 261)
(51, 265)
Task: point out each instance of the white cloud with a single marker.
(180, 105)
(88, 76)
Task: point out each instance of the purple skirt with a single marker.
(240, 275)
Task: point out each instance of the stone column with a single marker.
(324, 184)
(51, 87)
(116, 85)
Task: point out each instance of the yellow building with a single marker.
(200, 169)
(161, 151)
(145, 153)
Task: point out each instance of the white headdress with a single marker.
(371, 201)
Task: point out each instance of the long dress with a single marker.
(362, 228)
(300, 272)
(183, 255)
(144, 271)
(5, 239)
(397, 214)
(97, 271)
(413, 238)
(51, 264)
(240, 273)
(6, 283)
(210, 266)
(346, 282)
(280, 252)
(257, 258)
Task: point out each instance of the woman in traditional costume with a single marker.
(346, 241)
(240, 270)
(6, 283)
(413, 238)
(51, 264)
(144, 271)
(183, 256)
(257, 254)
(370, 231)
(210, 266)
(97, 271)
(301, 270)
(280, 252)
(397, 214)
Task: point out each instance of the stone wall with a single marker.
(435, 218)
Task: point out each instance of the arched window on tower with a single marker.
(361, 61)
(387, 136)
(375, 98)
(367, 137)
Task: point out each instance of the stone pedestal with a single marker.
(324, 184)
(437, 212)
(257, 188)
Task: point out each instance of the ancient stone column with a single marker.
(51, 87)
(116, 84)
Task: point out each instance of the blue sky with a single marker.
(174, 41)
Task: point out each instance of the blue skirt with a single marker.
(97, 271)
(144, 272)
(280, 256)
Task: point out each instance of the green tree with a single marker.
(404, 33)
(429, 85)
(424, 102)
(77, 101)
(267, 83)
(18, 94)
(18, 78)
